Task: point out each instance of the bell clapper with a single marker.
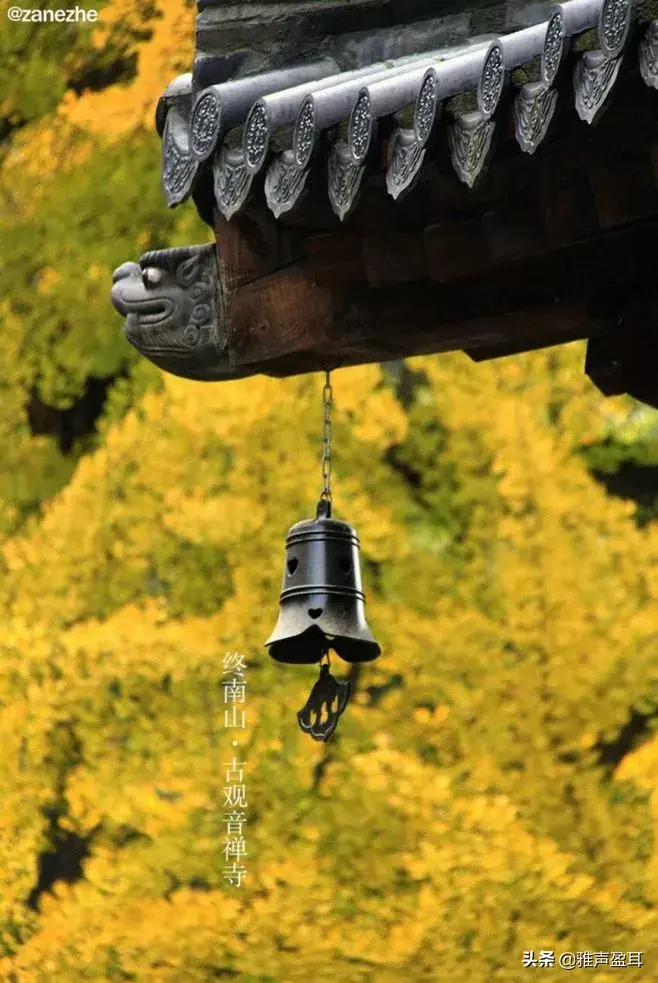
(329, 696)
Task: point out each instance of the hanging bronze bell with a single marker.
(322, 601)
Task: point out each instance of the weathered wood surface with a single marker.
(322, 307)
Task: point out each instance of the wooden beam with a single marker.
(336, 303)
(503, 335)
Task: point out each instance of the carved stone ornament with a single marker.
(305, 134)
(361, 128)
(256, 137)
(648, 55)
(534, 107)
(593, 79)
(285, 183)
(490, 86)
(469, 139)
(172, 303)
(205, 123)
(179, 167)
(427, 107)
(345, 179)
(551, 55)
(232, 181)
(405, 160)
(614, 25)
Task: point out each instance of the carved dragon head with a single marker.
(172, 304)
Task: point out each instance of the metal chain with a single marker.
(327, 398)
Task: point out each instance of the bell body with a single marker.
(322, 600)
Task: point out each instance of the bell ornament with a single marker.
(322, 605)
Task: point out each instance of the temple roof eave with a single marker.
(318, 117)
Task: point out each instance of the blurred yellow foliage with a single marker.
(466, 804)
(120, 108)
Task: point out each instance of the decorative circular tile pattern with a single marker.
(425, 113)
(256, 137)
(491, 80)
(304, 138)
(614, 24)
(551, 55)
(360, 132)
(204, 125)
